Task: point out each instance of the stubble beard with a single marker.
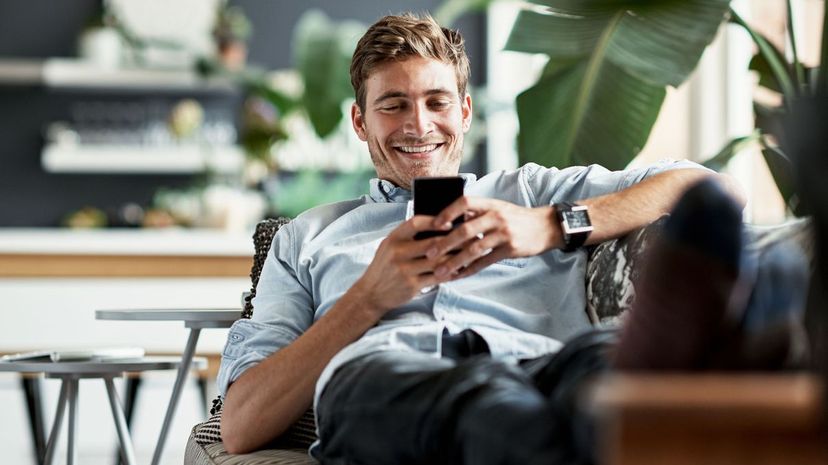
(415, 168)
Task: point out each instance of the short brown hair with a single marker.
(399, 37)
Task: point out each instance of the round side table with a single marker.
(70, 373)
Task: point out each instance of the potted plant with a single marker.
(230, 33)
(793, 81)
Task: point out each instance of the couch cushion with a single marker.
(614, 265)
(214, 454)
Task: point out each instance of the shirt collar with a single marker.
(384, 191)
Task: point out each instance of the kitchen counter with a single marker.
(54, 252)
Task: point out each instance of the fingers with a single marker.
(401, 248)
(474, 251)
(420, 266)
(460, 207)
(407, 229)
(479, 264)
(468, 231)
(419, 274)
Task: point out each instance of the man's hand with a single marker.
(493, 230)
(400, 268)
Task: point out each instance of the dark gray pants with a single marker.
(465, 408)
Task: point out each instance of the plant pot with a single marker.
(233, 54)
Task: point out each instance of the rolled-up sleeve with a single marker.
(248, 343)
(282, 311)
(583, 182)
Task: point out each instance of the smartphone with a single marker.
(432, 195)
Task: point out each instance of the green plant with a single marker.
(231, 25)
(792, 80)
(322, 52)
(293, 194)
(610, 62)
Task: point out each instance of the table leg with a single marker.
(54, 435)
(183, 370)
(34, 407)
(71, 452)
(127, 453)
(131, 384)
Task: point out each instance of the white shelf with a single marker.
(183, 159)
(73, 73)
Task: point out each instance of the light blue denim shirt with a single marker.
(522, 307)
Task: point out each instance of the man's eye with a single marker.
(439, 104)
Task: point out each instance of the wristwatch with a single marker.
(575, 224)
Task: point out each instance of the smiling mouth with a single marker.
(417, 150)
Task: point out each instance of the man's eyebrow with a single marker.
(397, 94)
(389, 95)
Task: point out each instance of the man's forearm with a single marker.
(269, 397)
(615, 215)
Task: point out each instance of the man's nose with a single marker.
(419, 122)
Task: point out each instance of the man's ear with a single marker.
(358, 122)
(467, 112)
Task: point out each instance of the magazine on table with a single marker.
(77, 355)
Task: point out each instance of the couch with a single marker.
(611, 270)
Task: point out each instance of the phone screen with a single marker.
(432, 195)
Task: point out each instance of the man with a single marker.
(412, 354)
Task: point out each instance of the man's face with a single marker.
(414, 120)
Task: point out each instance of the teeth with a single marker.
(418, 149)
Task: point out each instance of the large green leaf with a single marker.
(770, 120)
(558, 36)
(610, 61)
(658, 41)
(322, 50)
(767, 78)
(582, 112)
(782, 171)
(778, 65)
(448, 12)
(731, 149)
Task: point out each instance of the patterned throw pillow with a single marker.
(612, 268)
(614, 265)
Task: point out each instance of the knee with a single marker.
(503, 409)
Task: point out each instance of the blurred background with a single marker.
(188, 112)
(141, 141)
(216, 114)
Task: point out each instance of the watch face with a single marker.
(576, 219)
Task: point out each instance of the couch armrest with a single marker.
(614, 265)
(712, 418)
